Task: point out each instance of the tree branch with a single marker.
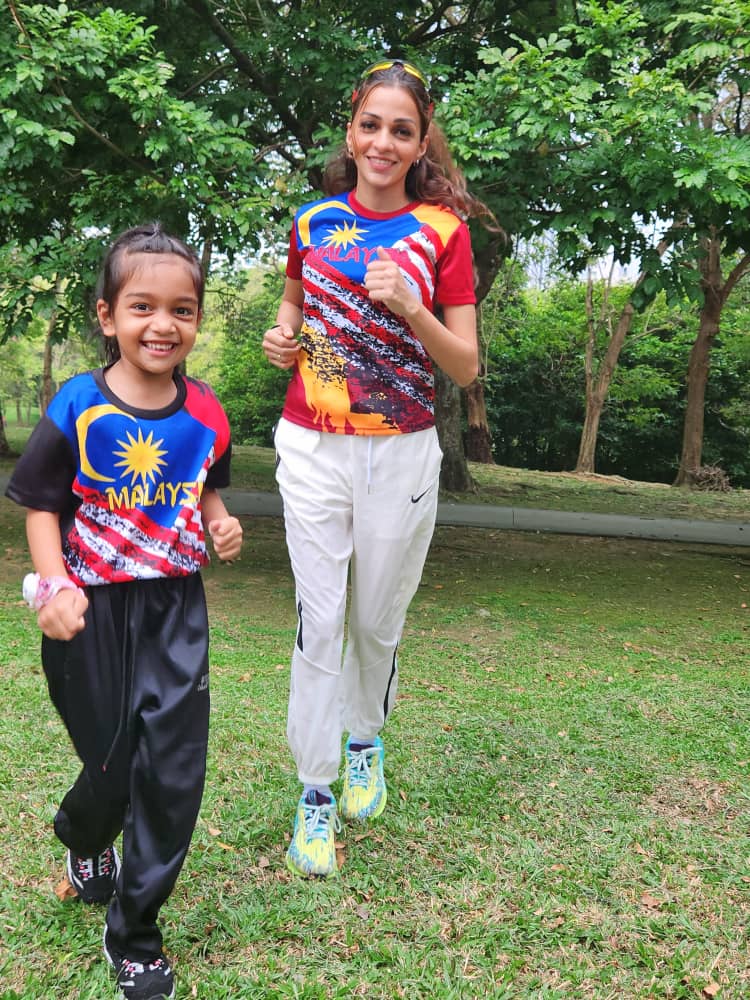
(247, 68)
(113, 147)
(19, 23)
(735, 274)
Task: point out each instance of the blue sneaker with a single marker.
(313, 847)
(364, 794)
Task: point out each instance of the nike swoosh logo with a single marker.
(417, 499)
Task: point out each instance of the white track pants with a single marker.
(365, 506)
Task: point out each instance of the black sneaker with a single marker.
(94, 879)
(139, 980)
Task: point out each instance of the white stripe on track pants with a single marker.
(364, 506)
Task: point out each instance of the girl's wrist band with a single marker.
(38, 591)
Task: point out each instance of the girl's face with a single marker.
(155, 316)
(384, 140)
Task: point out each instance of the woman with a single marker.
(379, 284)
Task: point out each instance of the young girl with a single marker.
(379, 284)
(120, 478)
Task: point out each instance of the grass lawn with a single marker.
(569, 782)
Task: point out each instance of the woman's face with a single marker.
(384, 139)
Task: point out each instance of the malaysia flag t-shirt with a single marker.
(126, 482)
(361, 369)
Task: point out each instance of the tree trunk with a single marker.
(698, 366)
(454, 473)
(597, 388)
(5, 450)
(47, 392)
(587, 447)
(478, 436)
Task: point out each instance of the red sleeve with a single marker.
(455, 271)
(202, 404)
(294, 257)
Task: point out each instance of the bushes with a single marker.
(251, 391)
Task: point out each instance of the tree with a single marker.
(93, 140)
(534, 395)
(214, 122)
(278, 68)
(600, 129)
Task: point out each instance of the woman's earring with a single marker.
(417, 162)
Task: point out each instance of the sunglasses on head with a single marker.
(406, 66)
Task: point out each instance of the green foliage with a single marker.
(251, 390)
(109, 133)
(93, 140)
(535, 388)
(611, 130)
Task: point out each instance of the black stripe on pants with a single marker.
(132, 690)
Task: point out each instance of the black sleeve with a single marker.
(217, 477)
(44, 474)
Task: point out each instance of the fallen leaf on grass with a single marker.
(711, 990)
(214, 832)
(64, 890)
(225, 847)
(402, 794)
(264, 863)
(340, 854)
(651, 901)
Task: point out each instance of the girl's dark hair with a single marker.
(117, 268)
(435, 179)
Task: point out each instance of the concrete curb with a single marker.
(525, 519)
(549, 521)
(608, 525)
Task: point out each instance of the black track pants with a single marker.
(132, 690)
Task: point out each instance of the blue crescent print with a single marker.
(143, 463)
(303, 221)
